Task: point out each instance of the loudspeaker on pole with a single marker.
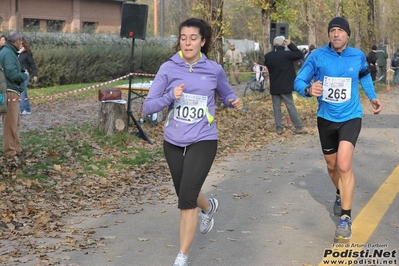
(278, 29)
(134, 21)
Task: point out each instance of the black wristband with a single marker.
(307, 91)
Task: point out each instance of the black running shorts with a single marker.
(331, 133)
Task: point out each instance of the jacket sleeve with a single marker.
(158, 97)
(12, 71)
(296, 53)
(366, 81)
(32, 64)
(305, 76)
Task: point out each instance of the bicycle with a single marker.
(258, 83)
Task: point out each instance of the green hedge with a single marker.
(66, 58)
(94, 63)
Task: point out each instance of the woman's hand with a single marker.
(237, 103)
(178, 91)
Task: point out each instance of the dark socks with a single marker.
(337, 192)
(347, 212)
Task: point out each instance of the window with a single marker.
(54, 25)
(89, 27)
(31, 24)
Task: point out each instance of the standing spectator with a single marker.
(304, 52)
(280, 64)
(27, 63)
(15, 79)
(372, 61)
(337, 70)
(299, 63)
(3, 40)
(311, 49)
(187, 85)
(234, 60)
(395, 67)
(382, 62)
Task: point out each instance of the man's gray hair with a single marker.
(14, 36)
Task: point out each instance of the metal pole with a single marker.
(162, 19)
(140, 133)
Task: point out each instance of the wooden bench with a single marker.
(140, 90)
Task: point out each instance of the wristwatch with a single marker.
(307, 91)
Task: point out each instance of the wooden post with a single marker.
(112, 117)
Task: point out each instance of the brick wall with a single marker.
(105, 14)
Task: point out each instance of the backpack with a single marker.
(3, 93)
(395, 61)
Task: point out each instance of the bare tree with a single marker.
(212, 12)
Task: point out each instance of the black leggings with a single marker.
(189, 167)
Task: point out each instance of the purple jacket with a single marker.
(203, 79)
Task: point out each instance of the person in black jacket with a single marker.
(27, 63)
(280, 63)
(372, 61)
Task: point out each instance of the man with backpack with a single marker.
(395, 67)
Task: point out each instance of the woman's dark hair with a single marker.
(25, 44)
(204, 29)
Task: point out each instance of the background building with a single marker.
(100, 16)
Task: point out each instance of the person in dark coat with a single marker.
(311, 49)
(372, 61)
(382, 62)
(15, 79)
(27, 63)
(280, 63)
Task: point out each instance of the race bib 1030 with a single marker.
(191, 108)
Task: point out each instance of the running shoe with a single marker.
(337, 205)
(343, 233)
(181, 260)
(206, 219)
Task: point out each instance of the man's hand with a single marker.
(316, 89)
(377, 106)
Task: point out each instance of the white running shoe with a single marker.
(181, 260)
(206, 219)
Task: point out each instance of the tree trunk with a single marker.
(266, 20)
(217, 21)
(112, 118)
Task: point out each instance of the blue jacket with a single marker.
(203, 78)
(350, 63)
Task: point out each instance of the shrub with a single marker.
(78, 58)
(69, 58)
